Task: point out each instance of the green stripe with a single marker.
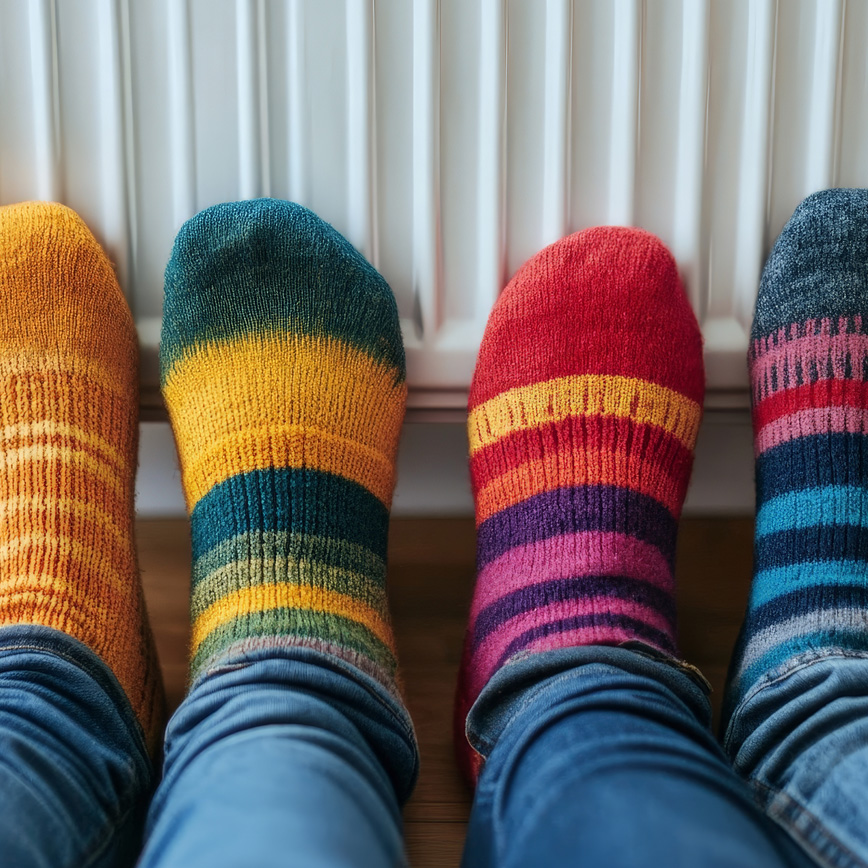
(328, 551)
(299, 622)
(250, 572)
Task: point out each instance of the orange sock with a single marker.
(68, 439)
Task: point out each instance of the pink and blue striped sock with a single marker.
(584, 410)
(809, 378)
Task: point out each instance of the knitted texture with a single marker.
(283, 372)
(808, 363)
(584, 410)
(69, 435)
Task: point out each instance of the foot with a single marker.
(69, 436)
(808, 364)
(283, 372)
(584, 410)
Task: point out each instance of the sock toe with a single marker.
(242, 266)
(644, 306)
(819, 264)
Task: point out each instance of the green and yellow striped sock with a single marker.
(282, 367)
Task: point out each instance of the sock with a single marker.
(808, 363)
(283, 371)
(584, 409)
(69, 437)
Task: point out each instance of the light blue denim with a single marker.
(800, 737)
(287, 757)
(595, 757)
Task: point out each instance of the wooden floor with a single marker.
(431, 579)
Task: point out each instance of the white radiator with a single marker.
(448, 139)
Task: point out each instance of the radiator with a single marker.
(448, 140)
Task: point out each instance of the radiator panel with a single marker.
(448, 140)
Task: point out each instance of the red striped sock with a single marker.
(584, 410)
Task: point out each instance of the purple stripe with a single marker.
(576, 509)
(640, 629)
(576, 588)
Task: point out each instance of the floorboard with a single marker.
(431, 570)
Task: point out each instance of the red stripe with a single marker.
(610, 433)
(823, 393)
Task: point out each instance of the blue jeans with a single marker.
(595, 756)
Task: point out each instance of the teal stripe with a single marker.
(772, 583)
(328, 551)
(819, 640)
(266, 264)
(831, 504)
(293, 500)
(327, 627)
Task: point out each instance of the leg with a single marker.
(584, 410)
(288, 758)
(283, 371)
(80, 691)
(603, 757)
(797, 709)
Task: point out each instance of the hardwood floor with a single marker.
(431, 572)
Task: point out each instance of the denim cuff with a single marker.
(520, 681)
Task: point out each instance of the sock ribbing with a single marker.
(808, 363)
(283, 371)
(69, 435)
(584, 410)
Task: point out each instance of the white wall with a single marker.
(432, 470)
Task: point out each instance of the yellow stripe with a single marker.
(284, 383)
(10, 459)
(289, 446)
(49, 428)
(301, 568)
(261, 598)
(69, 505)
(527, 407)
(89, 556)
(36, 364)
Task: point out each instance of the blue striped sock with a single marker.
(809, 380)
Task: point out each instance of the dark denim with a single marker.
(601, 756)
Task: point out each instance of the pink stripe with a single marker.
(491, 650)
(782, 353)
(804, 423)
(578, 554)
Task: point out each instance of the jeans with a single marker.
(594, 756)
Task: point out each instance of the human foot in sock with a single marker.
(584, 410)
(808, 363)
(283, 371)
(69, 433)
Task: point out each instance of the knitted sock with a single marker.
(808, 364)
(283, 371)
(584, 410)
(68, 435)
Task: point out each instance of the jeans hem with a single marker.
(374, 688)
(778, 674)
(562, 661)
(48, 640)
